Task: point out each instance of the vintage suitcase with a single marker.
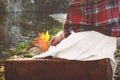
(57, 69)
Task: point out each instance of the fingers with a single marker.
(55, 40)
(52, 41)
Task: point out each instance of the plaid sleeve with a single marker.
(67, 28)
(93, 13)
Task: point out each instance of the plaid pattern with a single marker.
(99, 15)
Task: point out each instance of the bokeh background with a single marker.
(20, 19)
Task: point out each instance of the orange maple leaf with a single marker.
(42, 41)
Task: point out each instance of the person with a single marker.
(89, 32)
(100, 15)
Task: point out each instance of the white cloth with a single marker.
(88, 45)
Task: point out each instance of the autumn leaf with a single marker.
(42, 41)
(47, 36)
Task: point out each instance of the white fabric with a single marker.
(89, 45)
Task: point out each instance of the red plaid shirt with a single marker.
(99, 15)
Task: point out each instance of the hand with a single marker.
(55, 40)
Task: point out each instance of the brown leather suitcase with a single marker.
(58, 69)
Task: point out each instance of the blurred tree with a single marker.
(36, 14)
(52, 6)
(46, 7)
(27, 17)
(2, 11)
(2, 29)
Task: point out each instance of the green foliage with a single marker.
(22, 48)
(47, 23)
(55, 30)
